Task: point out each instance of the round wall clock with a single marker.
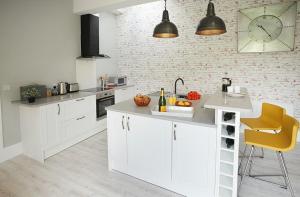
(267, 28)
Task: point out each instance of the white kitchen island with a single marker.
(179, 154)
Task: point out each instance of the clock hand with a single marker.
(260, 26)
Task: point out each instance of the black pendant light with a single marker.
(211, 24)
(165, 29)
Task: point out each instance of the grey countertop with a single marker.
(202, 116)
(55, 99)
(221, 100)
(107, 90)
(66, 97)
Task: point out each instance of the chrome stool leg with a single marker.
(251, 163)
(282, 170)
(262, 153)
(242, 159)
(258, 176)
(245, 169)
(286, 173)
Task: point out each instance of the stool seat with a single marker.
(276, 142)
(270, 118)
(260, 124)
(280, 142)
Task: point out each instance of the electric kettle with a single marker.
(62, 88)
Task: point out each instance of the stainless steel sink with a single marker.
(167, 94)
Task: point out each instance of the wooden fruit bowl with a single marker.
(142, 100)
(183, 103)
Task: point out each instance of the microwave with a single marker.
(119, 81)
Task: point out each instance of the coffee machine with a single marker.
(226, 82)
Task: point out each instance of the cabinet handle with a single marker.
(58, 105)
(128, 128)
(79, 99)
(174, 135)
(80, 118)
(123, 122)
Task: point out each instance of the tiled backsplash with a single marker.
(152, 63)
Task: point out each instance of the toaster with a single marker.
(72, 87)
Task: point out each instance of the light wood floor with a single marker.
(81, 171)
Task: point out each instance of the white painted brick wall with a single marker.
(202, 61)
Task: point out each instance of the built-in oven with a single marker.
(104, 99)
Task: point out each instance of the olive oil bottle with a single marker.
(162, 103)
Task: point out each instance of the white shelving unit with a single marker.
(227, 166)
(227, 157)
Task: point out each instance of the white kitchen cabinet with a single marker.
(149, 149)
(193, 159)
(177, 156)
(117, 141)
(50, 128)
(53, 125)
(124, 94)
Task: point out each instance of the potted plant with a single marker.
(30, 94)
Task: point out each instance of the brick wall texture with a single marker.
(152, 63)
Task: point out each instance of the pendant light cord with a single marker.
(165, 4)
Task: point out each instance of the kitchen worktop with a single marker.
(221, 100)
(55, 99)
(202, 116)
(98, 89)
(66, 97)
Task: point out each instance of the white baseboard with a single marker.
(10, 152)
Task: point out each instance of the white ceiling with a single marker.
(96, 6)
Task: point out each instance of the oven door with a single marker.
(102, 104)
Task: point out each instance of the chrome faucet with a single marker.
(179, 79)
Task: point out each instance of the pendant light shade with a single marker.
(165, 29)
(211, 24)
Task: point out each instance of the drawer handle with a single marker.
(58, 105)
(80, 118)
(174, 132)
(123, 122)
(79, 99)
(175, 135)
(128, 128)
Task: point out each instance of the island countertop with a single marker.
(202, 116)
(221, 100)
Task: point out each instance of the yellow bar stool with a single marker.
(270, 119)
(283, 141)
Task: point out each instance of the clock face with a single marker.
(267, 28)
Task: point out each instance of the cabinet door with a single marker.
(149, 149)
(194, 156)
(124, 94)
(52, 127)
(117, 141)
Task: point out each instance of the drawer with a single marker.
(80, 106)
(81, 125)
